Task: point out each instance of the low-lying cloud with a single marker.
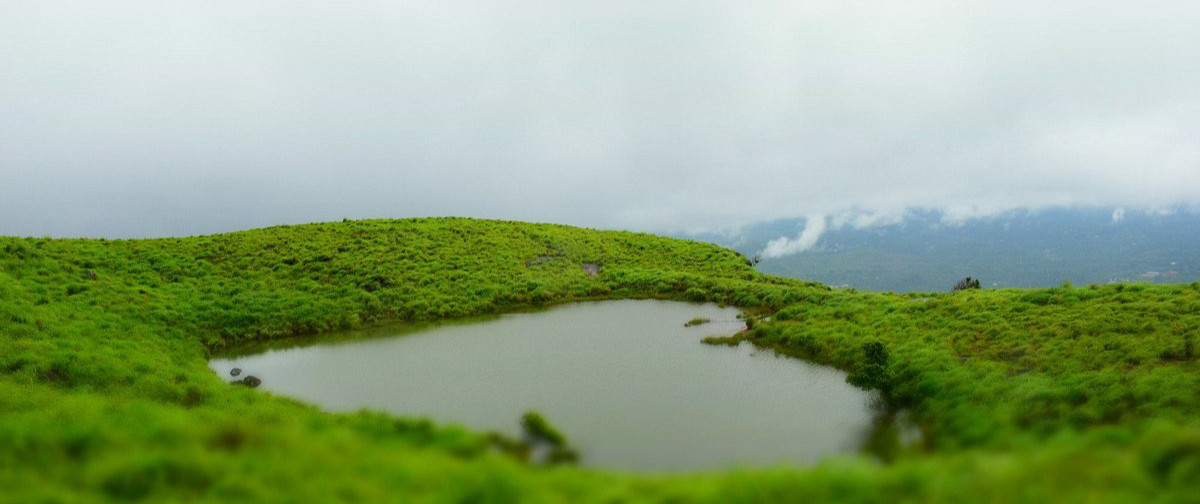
(130, 118)
(814, 227)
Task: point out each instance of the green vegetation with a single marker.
(538, 430)
(696, 321)
(966, 283)
(1063, 394)
(873, 372)
(539, 433)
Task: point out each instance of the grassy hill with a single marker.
(1065, 394)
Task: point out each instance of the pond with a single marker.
(630, 386)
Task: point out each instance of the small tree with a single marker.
(966, 283)
(873, 371)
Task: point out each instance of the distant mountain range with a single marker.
(925, 252)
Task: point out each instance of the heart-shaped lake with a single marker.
(630, 386)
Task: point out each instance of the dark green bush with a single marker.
(966, 283)
(872, 372)
(538, 430)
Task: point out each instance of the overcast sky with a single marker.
(151, 118)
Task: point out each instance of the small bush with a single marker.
(966, 283)
(539, 432)
(872, 372)
(537, 429)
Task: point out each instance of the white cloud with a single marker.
(814, 227)
(129, 118)
(859, 219)
(1118, 215)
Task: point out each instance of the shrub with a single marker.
(872, 372)
(538, 430)
(966, 283)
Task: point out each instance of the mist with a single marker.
(130, 119)
(814, 227)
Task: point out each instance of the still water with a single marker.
(629, 385)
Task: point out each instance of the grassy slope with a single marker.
(1068, 393)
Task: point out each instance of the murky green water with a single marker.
(629, 385)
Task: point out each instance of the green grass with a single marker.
(1065, 394)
